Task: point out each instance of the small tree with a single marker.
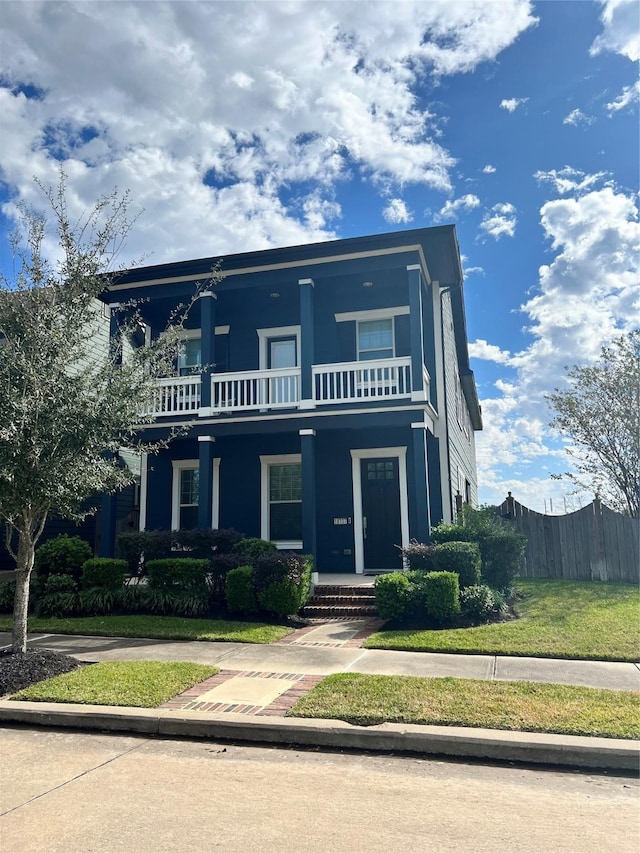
(66, 408)
(600, 412)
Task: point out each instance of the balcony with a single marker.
(268, 390)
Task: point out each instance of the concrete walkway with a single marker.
(248, 699)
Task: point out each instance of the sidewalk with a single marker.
(247, 701)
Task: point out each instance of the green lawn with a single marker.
(512, 705)
(158, 628)
(137, 684)
(558, 619)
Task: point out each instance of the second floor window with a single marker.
(190, 356)
(375, 339)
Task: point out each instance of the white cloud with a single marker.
(587, 296)
(569, 180)
(451, 208)
(620, 32)
(473, 271)
(488, 352)
(500, 221)
(512, 104)
(397, 212)
(215, 113)
(489, 169)
(629, 95)
(577, 117)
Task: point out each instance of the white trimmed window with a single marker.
(281, 504)
(190, 355)
(185, 494)
(375, 339)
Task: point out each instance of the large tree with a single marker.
(67, 403)
(600, 413)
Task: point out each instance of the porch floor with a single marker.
(327, 579)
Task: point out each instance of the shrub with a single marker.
(463, 558)
(501, 548)
(132, 599)
(477, 604)
(185, 575)
(140, 548)
(252, 549)
(104, 572)
(7, 596)
(219, 567)
(60, 598)
(442, 596)
(392, 595)
(203, 542)
(240, 593)
(283, 581)
(64, 555)
(418, 556)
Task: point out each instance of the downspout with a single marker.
(447, 288)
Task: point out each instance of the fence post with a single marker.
(598, 558)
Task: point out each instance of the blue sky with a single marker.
(240, 126)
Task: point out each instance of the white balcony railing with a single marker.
(175, 395)
(255, 389)
(356, 382)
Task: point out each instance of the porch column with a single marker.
(208, 349)
(308, 452)
(306, 343)
(421, 526)
(416, 334)
(205, 480)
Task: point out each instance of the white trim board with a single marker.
(372, 314)
(400, 453)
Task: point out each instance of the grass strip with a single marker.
(158, 628)
(136, 684)
(512, 705)
(557, 619)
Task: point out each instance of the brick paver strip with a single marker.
(188, 700)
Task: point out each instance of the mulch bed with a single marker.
(18, 671)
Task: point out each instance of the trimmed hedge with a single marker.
(283, 582)
(442, 596)
(392, 595)
(253, 549)
(463, 558)
(240, 593)
(104, 573)
(178, 575)
(64, 555)
(140, 548)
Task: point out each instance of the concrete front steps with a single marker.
(341, 602)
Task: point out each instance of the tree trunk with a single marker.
(24, 567)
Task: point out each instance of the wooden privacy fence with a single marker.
(594, 543)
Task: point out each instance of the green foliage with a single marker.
(240, 593)
(104, 572)
(178, 575)
(600, 413)
(418, 556)
(219, 567)
(477, 604)
(98, 600)
(501, 548)
(132, 599)
(252, 549)
(442, 596)
(60, 597)
(141, 547)
(7, 596)
(283, 581)
(64, 555)
(392, 595)
(463, 558)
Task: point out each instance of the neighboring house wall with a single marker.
(462, 452)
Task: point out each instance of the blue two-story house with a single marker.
(324, 395)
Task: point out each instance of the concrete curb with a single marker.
(524, 747)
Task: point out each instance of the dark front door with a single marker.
(382, 531)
